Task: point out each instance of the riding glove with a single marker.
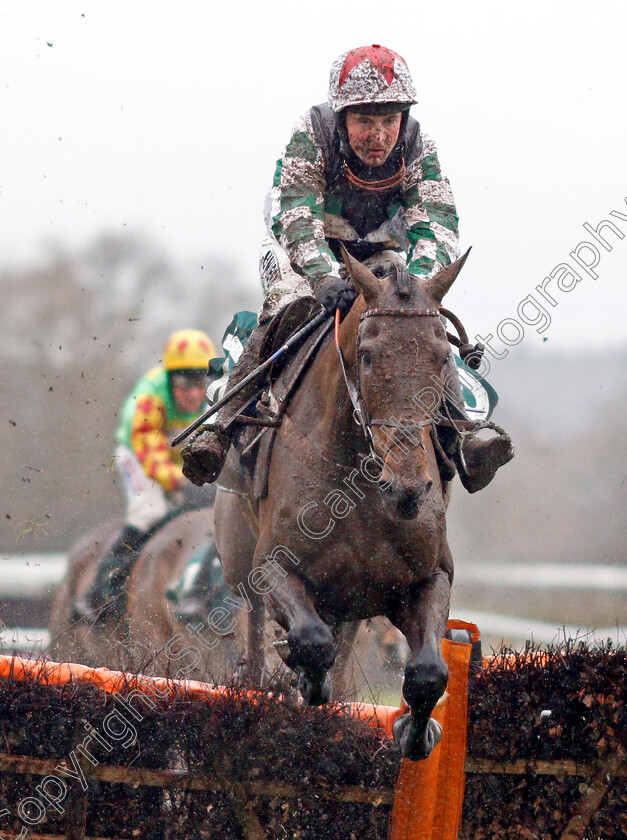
(333, 293)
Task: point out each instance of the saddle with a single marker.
(255, 441)
(283, 325)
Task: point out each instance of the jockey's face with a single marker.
(188, 391)
(373, 136)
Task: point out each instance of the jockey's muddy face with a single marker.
(373, 136)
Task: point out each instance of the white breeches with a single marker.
(146, 500)
(280, 283)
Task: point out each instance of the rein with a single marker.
(360, 412)
(471, 354)
(461, 424)
(353, 392)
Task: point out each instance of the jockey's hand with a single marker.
(333, 293)
(192, 470)
(204, 455)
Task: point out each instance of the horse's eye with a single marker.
(366, 358)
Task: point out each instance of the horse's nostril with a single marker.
(407, 504)
(409, 499)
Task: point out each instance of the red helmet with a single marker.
(370, 75)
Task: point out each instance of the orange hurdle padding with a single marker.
(57, 673)
(380, 717)
(430, 793)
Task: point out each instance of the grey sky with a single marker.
(166, 118)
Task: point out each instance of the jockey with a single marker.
(360, 171)
(165, 400)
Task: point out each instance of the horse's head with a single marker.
(399, 361)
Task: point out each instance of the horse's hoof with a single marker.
(311, 648)
(315, 692)
(413, 747)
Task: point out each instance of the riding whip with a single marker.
(298, 336)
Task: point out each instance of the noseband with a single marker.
(360, 411)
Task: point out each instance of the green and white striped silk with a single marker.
(304, 214)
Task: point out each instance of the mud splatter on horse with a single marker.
(353, 525)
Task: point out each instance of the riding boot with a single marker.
(205, 454)
(477, 460)
(196, 598)
(105, 595)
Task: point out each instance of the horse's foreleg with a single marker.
(343, 681)
(311, 648)
(253, 670)
(422, 617)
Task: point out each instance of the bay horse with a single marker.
(353, 525)
(366, 655)
(147, 637)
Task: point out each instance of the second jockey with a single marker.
(164, 401)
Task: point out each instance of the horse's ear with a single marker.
(367, 283)
(439, 285)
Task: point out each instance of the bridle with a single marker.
(360, 411)
(462, 425)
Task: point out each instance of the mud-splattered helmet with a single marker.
(372, 75)
(188, 350)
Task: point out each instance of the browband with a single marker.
(427, 312)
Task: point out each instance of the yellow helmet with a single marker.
(188, 350)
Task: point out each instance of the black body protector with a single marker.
(365, 196)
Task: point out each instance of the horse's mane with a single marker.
(402, 279)
(402, 282)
